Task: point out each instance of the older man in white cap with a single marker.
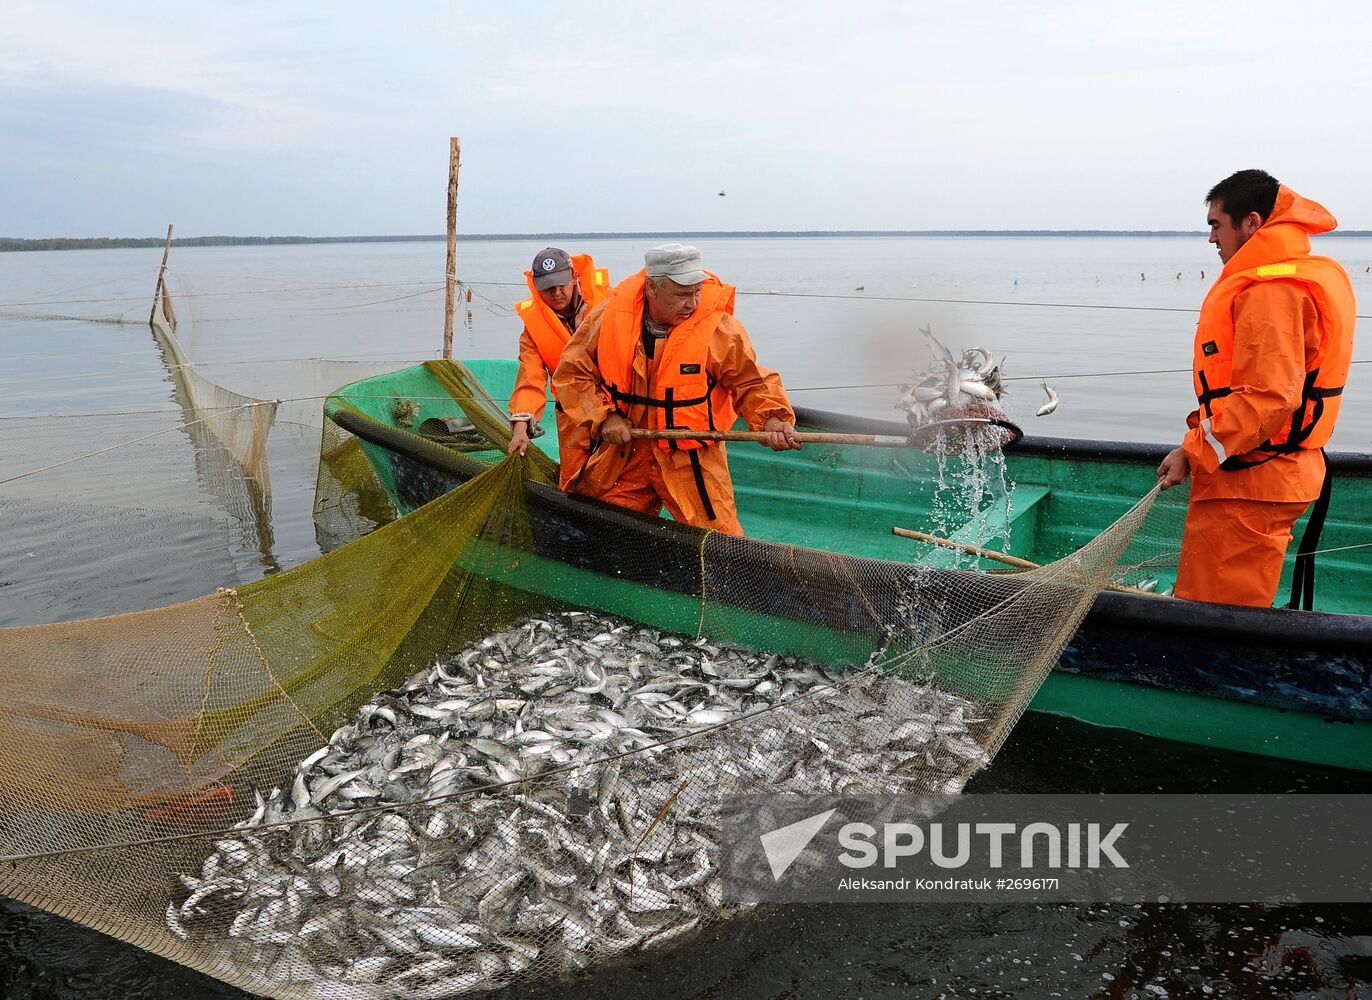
(665, 351)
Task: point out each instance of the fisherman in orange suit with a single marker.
(665, 351)
(1271, 357)
(562, 290)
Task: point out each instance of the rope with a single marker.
(1020, 378)
(459, 283)
(514, 284)
(1342, 548)
(210, 295)
(215, 411)
(124, 444)
(359, 359)
(374, 302)
(914, 298)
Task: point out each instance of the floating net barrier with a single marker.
(108, 300)
(240, 423)
(93, 497)
(223, 318)
(89, 497)
(484, 741)
(90, 500)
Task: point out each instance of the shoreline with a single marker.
(18, 245)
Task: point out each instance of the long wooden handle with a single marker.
(874, 440)
(1009, 560)
(975, 550)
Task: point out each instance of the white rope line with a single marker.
(466, 286)
(1342, 548)
(179, 296)
(124, 444)
(1059, 377)
(742, 291)
(913, 298)
(354, 360)
(374, 302)
(218, 410)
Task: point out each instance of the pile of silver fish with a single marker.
(547, 798)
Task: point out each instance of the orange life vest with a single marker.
(546, 328)
(681, 390)
(1281, 252)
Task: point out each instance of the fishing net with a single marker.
(239, 423)
(196, 472)
(89, 499)
(484, 740)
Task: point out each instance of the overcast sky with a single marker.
(252, 118)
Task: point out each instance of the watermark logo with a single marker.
(1047, 848)
(783, 846)
(908, 840)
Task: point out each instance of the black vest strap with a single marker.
(667, 402)
(1299, 432)
(1303, 576)
(590, 453)
(700, 485)
(1234, 462)
(1207, 394)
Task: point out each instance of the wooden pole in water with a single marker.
(454, 161)
(161, 275)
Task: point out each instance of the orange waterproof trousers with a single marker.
(570, 458)
(642, 487)
(1232, 550)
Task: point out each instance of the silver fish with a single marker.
(1049, 406)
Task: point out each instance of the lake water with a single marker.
(836, 316)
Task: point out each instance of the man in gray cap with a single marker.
(562, 289)
(665, 351)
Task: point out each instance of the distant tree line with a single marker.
(109, 242)
(120, 242)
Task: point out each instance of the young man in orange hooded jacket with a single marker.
(1271, 357)
(562, 290)
(664, 351)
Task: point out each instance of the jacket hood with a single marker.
(1292, 209)
(1286, 233)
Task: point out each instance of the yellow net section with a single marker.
(240, 423)
(486, 738)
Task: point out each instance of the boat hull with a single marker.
(1293, 685)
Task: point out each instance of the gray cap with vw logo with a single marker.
(551, 267)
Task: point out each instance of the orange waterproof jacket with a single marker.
(595, 359)
(544, 335)
(1271, 356)
(682, 392)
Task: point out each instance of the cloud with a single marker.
(616, 117)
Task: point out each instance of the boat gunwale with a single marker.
(1294, 630)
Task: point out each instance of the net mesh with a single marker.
(240, 423)
(484, 739)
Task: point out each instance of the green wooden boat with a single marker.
(1289, 684)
